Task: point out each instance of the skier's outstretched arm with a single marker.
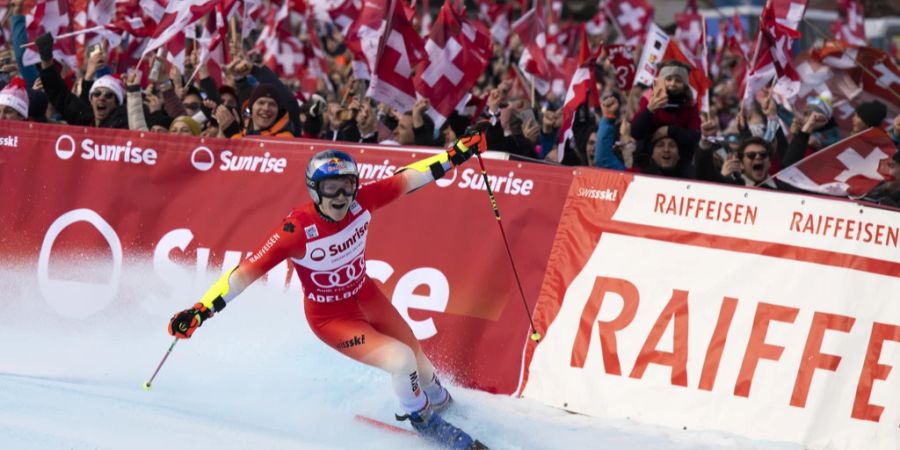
(420, 173)
(274, 250)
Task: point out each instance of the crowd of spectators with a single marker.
(655, 130)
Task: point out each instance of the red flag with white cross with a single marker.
(458, 53)
(851, 167)
(631, 18)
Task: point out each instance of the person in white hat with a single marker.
(14, 100)
(106, 96)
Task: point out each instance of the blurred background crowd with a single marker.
(724, 93)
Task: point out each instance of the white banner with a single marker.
(769, 315)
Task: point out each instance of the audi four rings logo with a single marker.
(341, 276)
(317, 254)
(202, 159)
(65, 147)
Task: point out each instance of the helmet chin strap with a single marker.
(322, 213)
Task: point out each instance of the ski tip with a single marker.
(478, 446)
(383, 425)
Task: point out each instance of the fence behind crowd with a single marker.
(667, 301)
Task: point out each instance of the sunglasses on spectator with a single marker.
(103, 95)
(756, 155)
(192, 106)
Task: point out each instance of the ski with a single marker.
(383, 425)
(477, 445)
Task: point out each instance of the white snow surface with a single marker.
(253, 377)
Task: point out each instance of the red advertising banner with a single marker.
(187, 207)
(696, 305)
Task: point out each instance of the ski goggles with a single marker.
(334, 187)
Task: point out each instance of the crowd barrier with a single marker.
(675, 302)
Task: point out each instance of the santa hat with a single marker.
(15, 96)
(111, 82)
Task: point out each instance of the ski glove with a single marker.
(471, 142)
(44, 44)
(183, 324)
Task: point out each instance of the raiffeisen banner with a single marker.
(770, 315)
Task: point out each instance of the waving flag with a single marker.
(582, 89)
(51, 16)
(632, 18)
(179, 15)
(851, 167)
(458, 53)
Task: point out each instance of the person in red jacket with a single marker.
(325, 240)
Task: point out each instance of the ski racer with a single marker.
(325, 240)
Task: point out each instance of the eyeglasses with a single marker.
(103, 95)
(756, 155)
(191, 106)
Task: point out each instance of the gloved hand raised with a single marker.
(44, 44)
(471, 142)
(183, 324)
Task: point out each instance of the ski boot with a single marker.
(432, 427)
(440, 401)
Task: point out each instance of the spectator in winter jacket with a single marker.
(268, 117)
(667, 153)
(106, 107)
(671, 104)
(14, 100)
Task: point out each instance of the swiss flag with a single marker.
(458, 53)
(532, 31)
(582, 89)
(178, 16)
(212, 45)
(496, 14)
(851, 28)
(631, 18)
(773, 56)
(689, 35)
(375, 49)
(851, 167)
(344, 14)
(51, 16)
(854, 74)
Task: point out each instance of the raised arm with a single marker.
(281, 243)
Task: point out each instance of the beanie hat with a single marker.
(678, 71)
(190, 122)
(159, 118)
(658, 135)
(872, 113)
(820, 104)
(111, 82)
(15, 96)
(265, 90)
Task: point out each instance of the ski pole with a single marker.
(147, 383)
(535, 336)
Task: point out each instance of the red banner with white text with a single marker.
(186, 207)
(694, 305)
